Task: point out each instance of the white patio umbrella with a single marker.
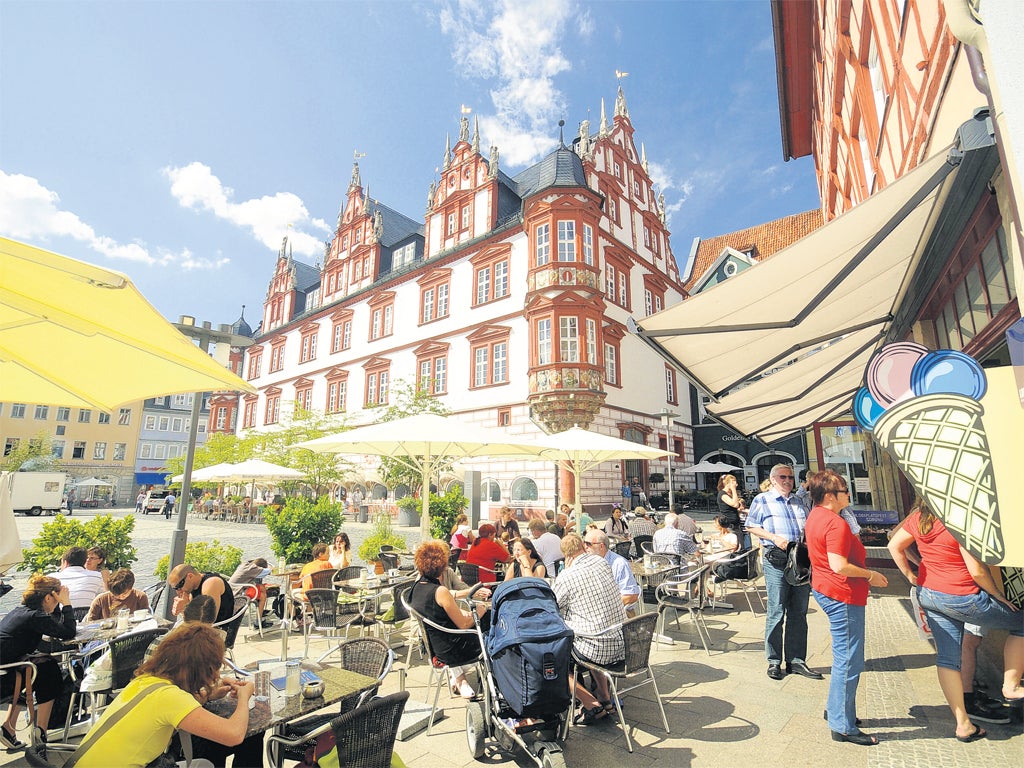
(423, 443)
(248, 471)
(584, 450)
(93, 482)
(710, 466)
(213, 473)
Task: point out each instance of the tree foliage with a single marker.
(320, 469)
(38, 450)
(113, 534)
(406, 400)
(205, 557)
(300, 524)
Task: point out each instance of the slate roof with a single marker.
(765, 239)
(240, 327)
(397, 226)
(562, 168)
(307, 278)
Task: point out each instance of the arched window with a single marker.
(379, 491)
(490, 490)
(457, 486)
(401, 491)
(524, 489)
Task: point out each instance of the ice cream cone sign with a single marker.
(957, 432)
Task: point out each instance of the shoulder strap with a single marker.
(109, 723)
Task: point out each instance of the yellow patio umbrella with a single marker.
(79, 335)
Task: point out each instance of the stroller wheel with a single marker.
(476, 728)
(551, 759)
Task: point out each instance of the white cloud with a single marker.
(269, 218)
(30, 211)
(515, 42)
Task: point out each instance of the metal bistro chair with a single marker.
(399, 612)
(685, 591)
(365, 655)
(81, 613)
(751, 557)
(126, 654)
(231, 624)
(364, 737)
(437, 667)
(155, 593)
(640, 541)
(623, 549)
(469, 572)
(634, 669)
(329, 617)
(24, 673)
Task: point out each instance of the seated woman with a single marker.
(462, 536)
(486, 552)
(45, 610)
(96, 560)
(186, 670)
(437, 603)
(525, 561)
(722, 542)
(340, 555)
(121, 594)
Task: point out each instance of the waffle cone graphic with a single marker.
(940, 443)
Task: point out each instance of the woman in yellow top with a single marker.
(188, 660)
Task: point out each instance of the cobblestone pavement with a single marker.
(722, 709)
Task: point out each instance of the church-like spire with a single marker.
(366, 201)
(447, 152)
(643, 158)
(620, 104)
(602, 131)
(476, 135)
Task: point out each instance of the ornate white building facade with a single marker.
(509, 301)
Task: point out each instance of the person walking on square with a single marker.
(169, 505)
(840, 583)
(777, 517)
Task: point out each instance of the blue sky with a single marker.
(178, 142)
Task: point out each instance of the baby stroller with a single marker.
(525, 662)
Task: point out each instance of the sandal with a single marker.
(10, 739)
(979, 733)
(589, 716)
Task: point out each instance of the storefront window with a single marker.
(841, 449)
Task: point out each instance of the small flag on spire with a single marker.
(466, 110)
(619, 74)
(356, 154)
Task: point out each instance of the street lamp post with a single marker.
(666, 421)
(203, 335)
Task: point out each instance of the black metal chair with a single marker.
(685, 591)
(126, 654)
(23, 672)
(388, 559)
(323, 579)
(155, 593)
(748, 561)
(364, 737)
(81, 613)
(365, 655)
(634, 669)
(328, 617)
(399, 612)
(469, 572)
(640, 541)
(623, 549)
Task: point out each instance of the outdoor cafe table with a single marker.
(372, 589)
(288, 576)
(273, 710)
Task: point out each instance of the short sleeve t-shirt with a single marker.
(144, 732)
(942, 566)
(828, 532)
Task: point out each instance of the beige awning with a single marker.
(764, 342)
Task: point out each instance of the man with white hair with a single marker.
(670, 540)
(548, 546)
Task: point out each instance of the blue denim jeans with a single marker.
(947, 614)
(787, 609)
(846, 623)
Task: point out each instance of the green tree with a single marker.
(205, 557)
(300, 524)
(113, 534)
(407, 400)
(38, 450)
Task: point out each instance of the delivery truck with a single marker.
(33, 493)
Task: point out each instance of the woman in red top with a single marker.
(840, 583)
(486, 552)
(954, 587)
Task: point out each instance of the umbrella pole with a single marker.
(425, 519)
(576, 489)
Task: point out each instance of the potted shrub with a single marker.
(300, 524)
(382, 534)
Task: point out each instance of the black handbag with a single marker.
(776, 556)
(797, 571)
